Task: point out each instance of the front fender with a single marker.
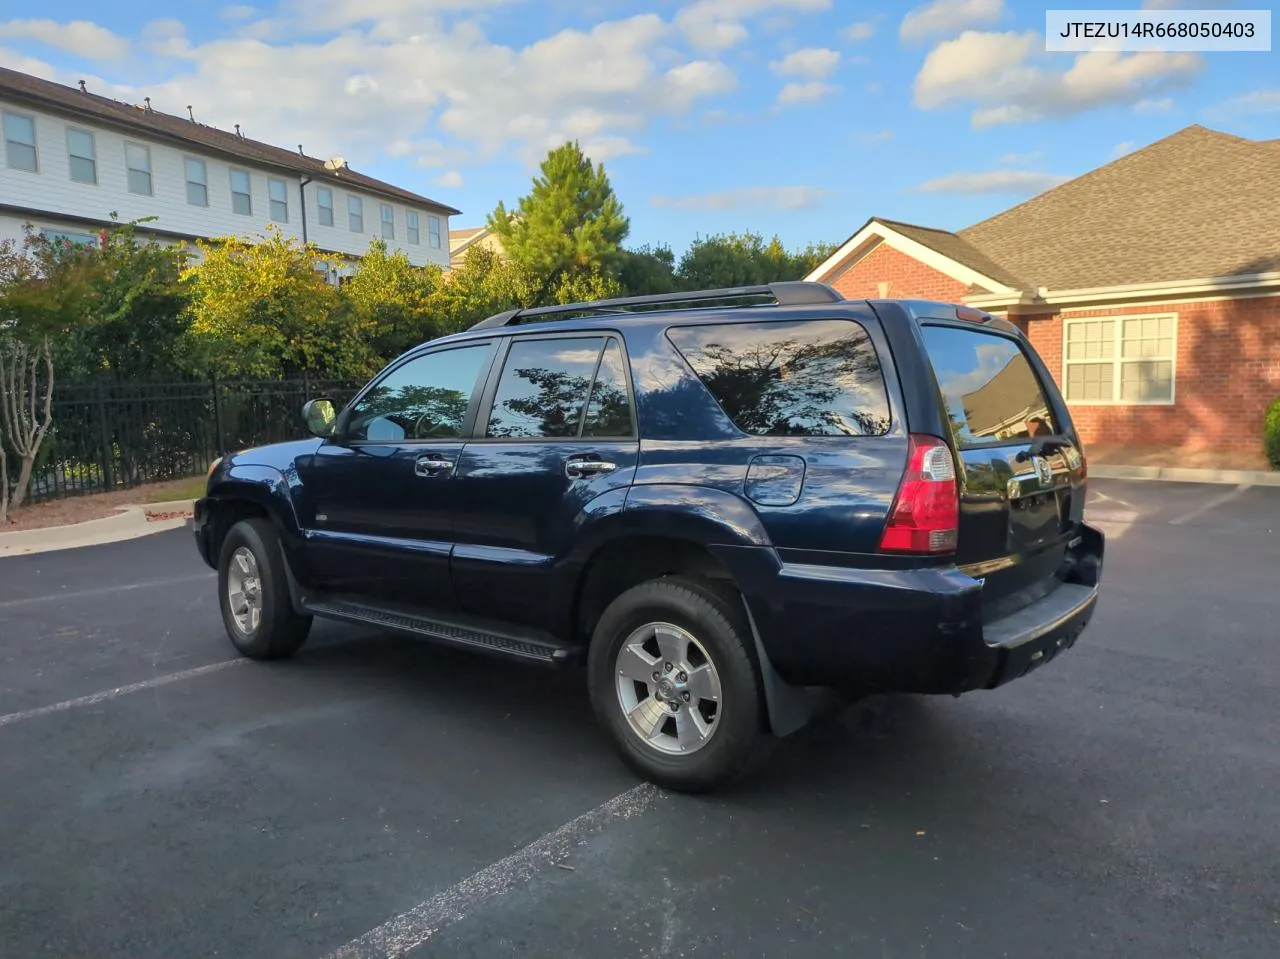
(265, 486)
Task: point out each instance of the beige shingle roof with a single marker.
(1196, 204)
(955, 248)
(24, 87)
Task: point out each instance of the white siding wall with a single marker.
(52, 191)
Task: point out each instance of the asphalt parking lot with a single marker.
(377, 796)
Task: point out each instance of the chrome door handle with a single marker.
(431, 465)
(579, 467)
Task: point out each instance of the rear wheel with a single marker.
(673, 681)
(253, 593)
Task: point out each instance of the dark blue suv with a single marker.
(728, 504)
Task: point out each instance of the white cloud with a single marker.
(805, 92)
(875, 136)
(857, 32)
(1016, 158)
(1020, 182)
(80, 37)
(946, 17)
(814, 63)
(1002, 75)
(774, 198)
(1121, 149)
(25, 64)
(1195, 4)
(1253, 102)
(875, 86)
(238, 11)
(442, 98)
(719, 24)
(450, 180)
(1161, 105)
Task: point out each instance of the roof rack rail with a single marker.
(788, 293)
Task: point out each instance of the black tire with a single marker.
(281, 630)
(714, 617)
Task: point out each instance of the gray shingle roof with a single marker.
(60, 98)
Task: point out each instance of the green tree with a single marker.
(265, 309)
(745, 259)
(571, 223)
(648, 270)
(392, 298)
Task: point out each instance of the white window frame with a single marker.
(387, 222)
(34, 145)
(435, 231)
(231, 183)
(187, 182)
(92, 158)
(412, 230)
(272, 202)
(150, 171)
(1117, 360)
(359, 212)
(321, 206)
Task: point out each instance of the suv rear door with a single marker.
(1022, 483)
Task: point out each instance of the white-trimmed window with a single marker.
(355, 214)
(324, 200)
(1120, 360)
(20, 142)
(411, 227)
(388, 218)
(278, 195)
(197, 173)
(137, 161)
(241, 193)
(433, 232)
(82, 156)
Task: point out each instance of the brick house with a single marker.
(1151, 287)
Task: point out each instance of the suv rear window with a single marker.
(812, 378)
(991, 391)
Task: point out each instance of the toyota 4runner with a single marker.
(723, 503)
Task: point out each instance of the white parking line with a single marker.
(102, 697)
(1214, 503)
(411, 929)
(105, 590)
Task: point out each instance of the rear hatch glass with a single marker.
(1021, 475)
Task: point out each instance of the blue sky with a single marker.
(795, 117)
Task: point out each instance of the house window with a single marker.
(411, 227)
(67, 238)
(324, 200)
(1120, 360)
(355, 214)
(137, 161)
(20, 142)
(82, 156)
(433, 232)
(241, 193)
(197, 181)
(388, 217)
(278, 194)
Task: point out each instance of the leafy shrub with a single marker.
(1271, 433)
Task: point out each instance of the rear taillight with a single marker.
(925, 516)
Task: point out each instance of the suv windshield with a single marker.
(991, 391)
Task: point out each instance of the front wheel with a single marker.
(673, 681)
(253, 593)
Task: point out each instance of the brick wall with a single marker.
(1227, 372)
(906, 276)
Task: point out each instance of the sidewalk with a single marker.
(1180, 475)
(130, 522)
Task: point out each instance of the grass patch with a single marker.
(191, 488)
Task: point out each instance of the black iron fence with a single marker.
(109, 435)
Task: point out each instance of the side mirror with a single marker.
(319, 415)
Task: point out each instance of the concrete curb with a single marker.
(1180, 475)
(130, 522)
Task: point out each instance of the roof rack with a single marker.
(789, 293)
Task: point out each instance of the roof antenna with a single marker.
(191, 113)
(82, 89)
(238, 130)
(300, 153)
(147, 101)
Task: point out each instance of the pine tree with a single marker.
(569, 226)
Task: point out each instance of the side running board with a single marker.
(503, 639)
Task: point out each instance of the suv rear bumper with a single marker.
(911, 630)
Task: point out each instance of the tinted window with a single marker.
(990, 390)
(815, 378)
(609, 412)
(424, 399)
(543, 387)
